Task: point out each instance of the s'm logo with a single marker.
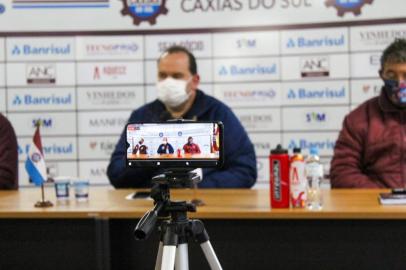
(144, 10)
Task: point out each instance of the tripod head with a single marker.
(164, 207)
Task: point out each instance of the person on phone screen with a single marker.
(165, 147)
(140, 148)
(190, 147)
(370, 150)
(178, 97)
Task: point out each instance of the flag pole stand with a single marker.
(43, 202)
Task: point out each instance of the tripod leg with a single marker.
(158, 261)
(182, 257)
(170, 243)
(210, 255)
(201, 236)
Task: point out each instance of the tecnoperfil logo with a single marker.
(38, 4)
(344, 6)
(144, 10)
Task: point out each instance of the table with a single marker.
(352, 230)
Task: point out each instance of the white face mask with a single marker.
(172, 92)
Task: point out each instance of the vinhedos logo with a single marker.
(344, 6)
(143, 10)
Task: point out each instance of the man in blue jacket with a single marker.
(178, 97)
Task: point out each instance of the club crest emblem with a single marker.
(344, 6)
(144, 10)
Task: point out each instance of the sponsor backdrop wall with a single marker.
(290, 69)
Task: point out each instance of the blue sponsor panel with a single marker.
(315, 41)
(264, 142)
(55, 168)
(96, 147)
(41, 74)
(95, 171)
(41, 99)
(199, 44)
(110, 73)
(316, 93)
(54, 148)
(246, 44)
(376, 37)
(313, 118)
(246, 69)
(52, 123)
(43, 48)
(102, 123)
(362, 90)
(110, 97)
(315, 67)
(109, 47)
(324, 141)
(259, 119)
(365, 65)
(249, 94)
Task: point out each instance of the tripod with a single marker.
(176, 228)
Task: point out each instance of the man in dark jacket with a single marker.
(178, 97)
(8, 155)
(371, 149)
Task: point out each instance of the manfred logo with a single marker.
(317, 66)
(344, 6)
(144, 10)
(41, 74)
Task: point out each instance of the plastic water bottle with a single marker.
(314, 176)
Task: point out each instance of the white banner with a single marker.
(95, 171)
(259, 119)
(316, 93)
(362, 90)
(43, 48)
(41, 99)
(54, 148)
(249, 94)
(246, 44)
(264, 142)
(315, 41)
(105, 97)
(324, 141)
(97, 147)
(145, 15)
(52, 123)
(313, 118)
(43, 74)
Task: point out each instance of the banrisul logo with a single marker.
(144, 10)
(344, 6)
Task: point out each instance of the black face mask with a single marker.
(396, 91)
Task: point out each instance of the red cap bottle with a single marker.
(279, 181)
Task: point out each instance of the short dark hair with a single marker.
(394, 53)
(181, 49)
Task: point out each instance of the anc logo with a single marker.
(344, 6)
(144, 10)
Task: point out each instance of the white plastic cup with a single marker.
(81, 188)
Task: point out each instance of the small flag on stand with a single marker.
(35, 165)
